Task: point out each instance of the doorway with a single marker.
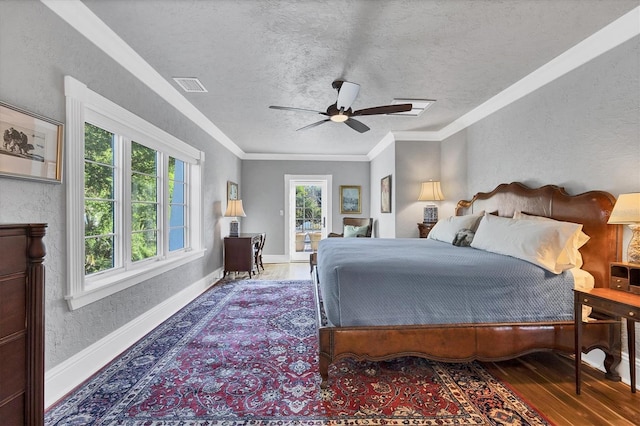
(308, 219)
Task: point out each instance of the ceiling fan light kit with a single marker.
(341, 112)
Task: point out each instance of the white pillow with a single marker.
(570, 255)
(446, 229)
(536, 241)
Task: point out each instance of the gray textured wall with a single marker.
(416, 162)
(383, 165)
(581, 131)
(38, 50)
(263, 194)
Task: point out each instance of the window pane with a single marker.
(176, 192)
(98, 181)
(176, 239)
(176, 215)
(99, 254)
(98, 218)
(176, 169)
(143, 245)
(98, 144)
(144, 216)
(143, 188)
(143, 159)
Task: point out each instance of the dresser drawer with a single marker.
(611, 307)
(13, 353)
(13, 252)
(13, 309)
(618, 283)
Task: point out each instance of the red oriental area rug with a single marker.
(246, 353)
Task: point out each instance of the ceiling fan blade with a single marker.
(296, 109)
(347, 94)
(385, 109)
(356, 125)
(317, 123)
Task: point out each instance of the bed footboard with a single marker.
(466, 342)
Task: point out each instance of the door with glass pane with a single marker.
(308, 209)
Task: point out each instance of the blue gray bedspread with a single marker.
(376, 281)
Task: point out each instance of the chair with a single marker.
(258, 252)
(355, 222)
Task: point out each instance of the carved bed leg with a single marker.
(324, 370)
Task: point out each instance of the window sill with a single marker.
(100, 288)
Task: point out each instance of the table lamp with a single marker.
(627, 212)
(430, 191)
(234, 210)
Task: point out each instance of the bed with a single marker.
(378, 310)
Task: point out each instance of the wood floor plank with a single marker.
(544, 380)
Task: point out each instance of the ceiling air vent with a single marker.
(190, 84)
(419, 106)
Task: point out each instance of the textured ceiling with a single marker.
(254, 53)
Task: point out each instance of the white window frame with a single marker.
(84, 105)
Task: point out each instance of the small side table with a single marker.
(425, 228)
(614, 302)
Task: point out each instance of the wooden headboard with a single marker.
(591, 209)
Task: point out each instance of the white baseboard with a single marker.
(595, 358)
(64, 377)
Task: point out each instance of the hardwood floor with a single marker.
(546, 380)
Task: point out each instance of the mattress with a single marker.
(380, 281)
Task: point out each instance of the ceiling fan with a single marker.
(341, 112)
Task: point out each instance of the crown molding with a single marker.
(609, 37)
(304, 157)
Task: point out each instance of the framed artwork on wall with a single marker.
(350, 199)
(31, 145)
(385, 194)
(232, 190)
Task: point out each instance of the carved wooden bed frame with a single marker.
(498, 341)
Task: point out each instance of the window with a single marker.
(134, 208)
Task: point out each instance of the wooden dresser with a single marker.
(21, 324)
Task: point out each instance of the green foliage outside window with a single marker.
(99, 213)
(101, 203)
(144, 202)
(308, 208)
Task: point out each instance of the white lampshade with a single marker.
(627, 210)
(430, 191)
(234, 209)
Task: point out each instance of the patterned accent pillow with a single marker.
(463, 238)
(355, 231)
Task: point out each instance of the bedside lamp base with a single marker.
(633, 251)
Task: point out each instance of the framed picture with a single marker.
(31, 145)
(350, 199)
(385, 194)
(232, 190)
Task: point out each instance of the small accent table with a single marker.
(613, 302)
(425, 228)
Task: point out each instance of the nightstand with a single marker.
(614, 302)
(425, 228)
